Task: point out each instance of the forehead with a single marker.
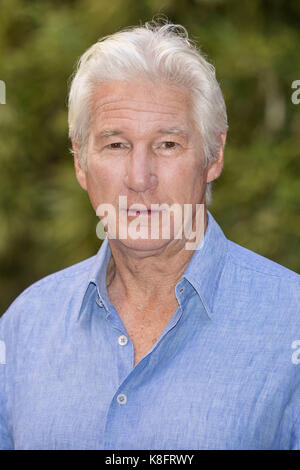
(141, 103)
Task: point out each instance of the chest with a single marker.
(145, 327)
(194, 397)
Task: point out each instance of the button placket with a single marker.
(121, 399)
(99, 302)
(122, 340)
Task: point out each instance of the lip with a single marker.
(136, 212)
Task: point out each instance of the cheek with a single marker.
(197, 175)
(187, 181)
(103, 183)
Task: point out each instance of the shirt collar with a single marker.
(203, 272)
(207, 263)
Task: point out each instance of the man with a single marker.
(149, 344)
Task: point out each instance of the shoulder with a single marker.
(44, 296)
(246, 259)
(255, 279)
(57, 280)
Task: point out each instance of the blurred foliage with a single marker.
(47, 222)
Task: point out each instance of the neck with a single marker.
(145, 275)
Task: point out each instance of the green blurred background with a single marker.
(47, 222)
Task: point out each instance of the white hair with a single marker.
(154, 51)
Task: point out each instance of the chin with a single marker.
(142, 245)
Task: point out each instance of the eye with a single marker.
(116, 145)
(169, 145)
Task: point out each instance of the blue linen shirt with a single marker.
(224, 374)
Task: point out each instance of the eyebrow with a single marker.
(173, 130)
(107, 133)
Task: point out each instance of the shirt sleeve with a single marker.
(296, 434)
(6, 442)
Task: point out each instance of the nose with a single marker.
(139, 175)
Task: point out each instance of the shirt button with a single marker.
(121, 399)
(98, 301)
(181, 290)
(122, 340)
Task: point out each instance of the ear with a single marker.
(216, 167)
(80, 173)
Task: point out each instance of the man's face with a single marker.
(143, 145)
